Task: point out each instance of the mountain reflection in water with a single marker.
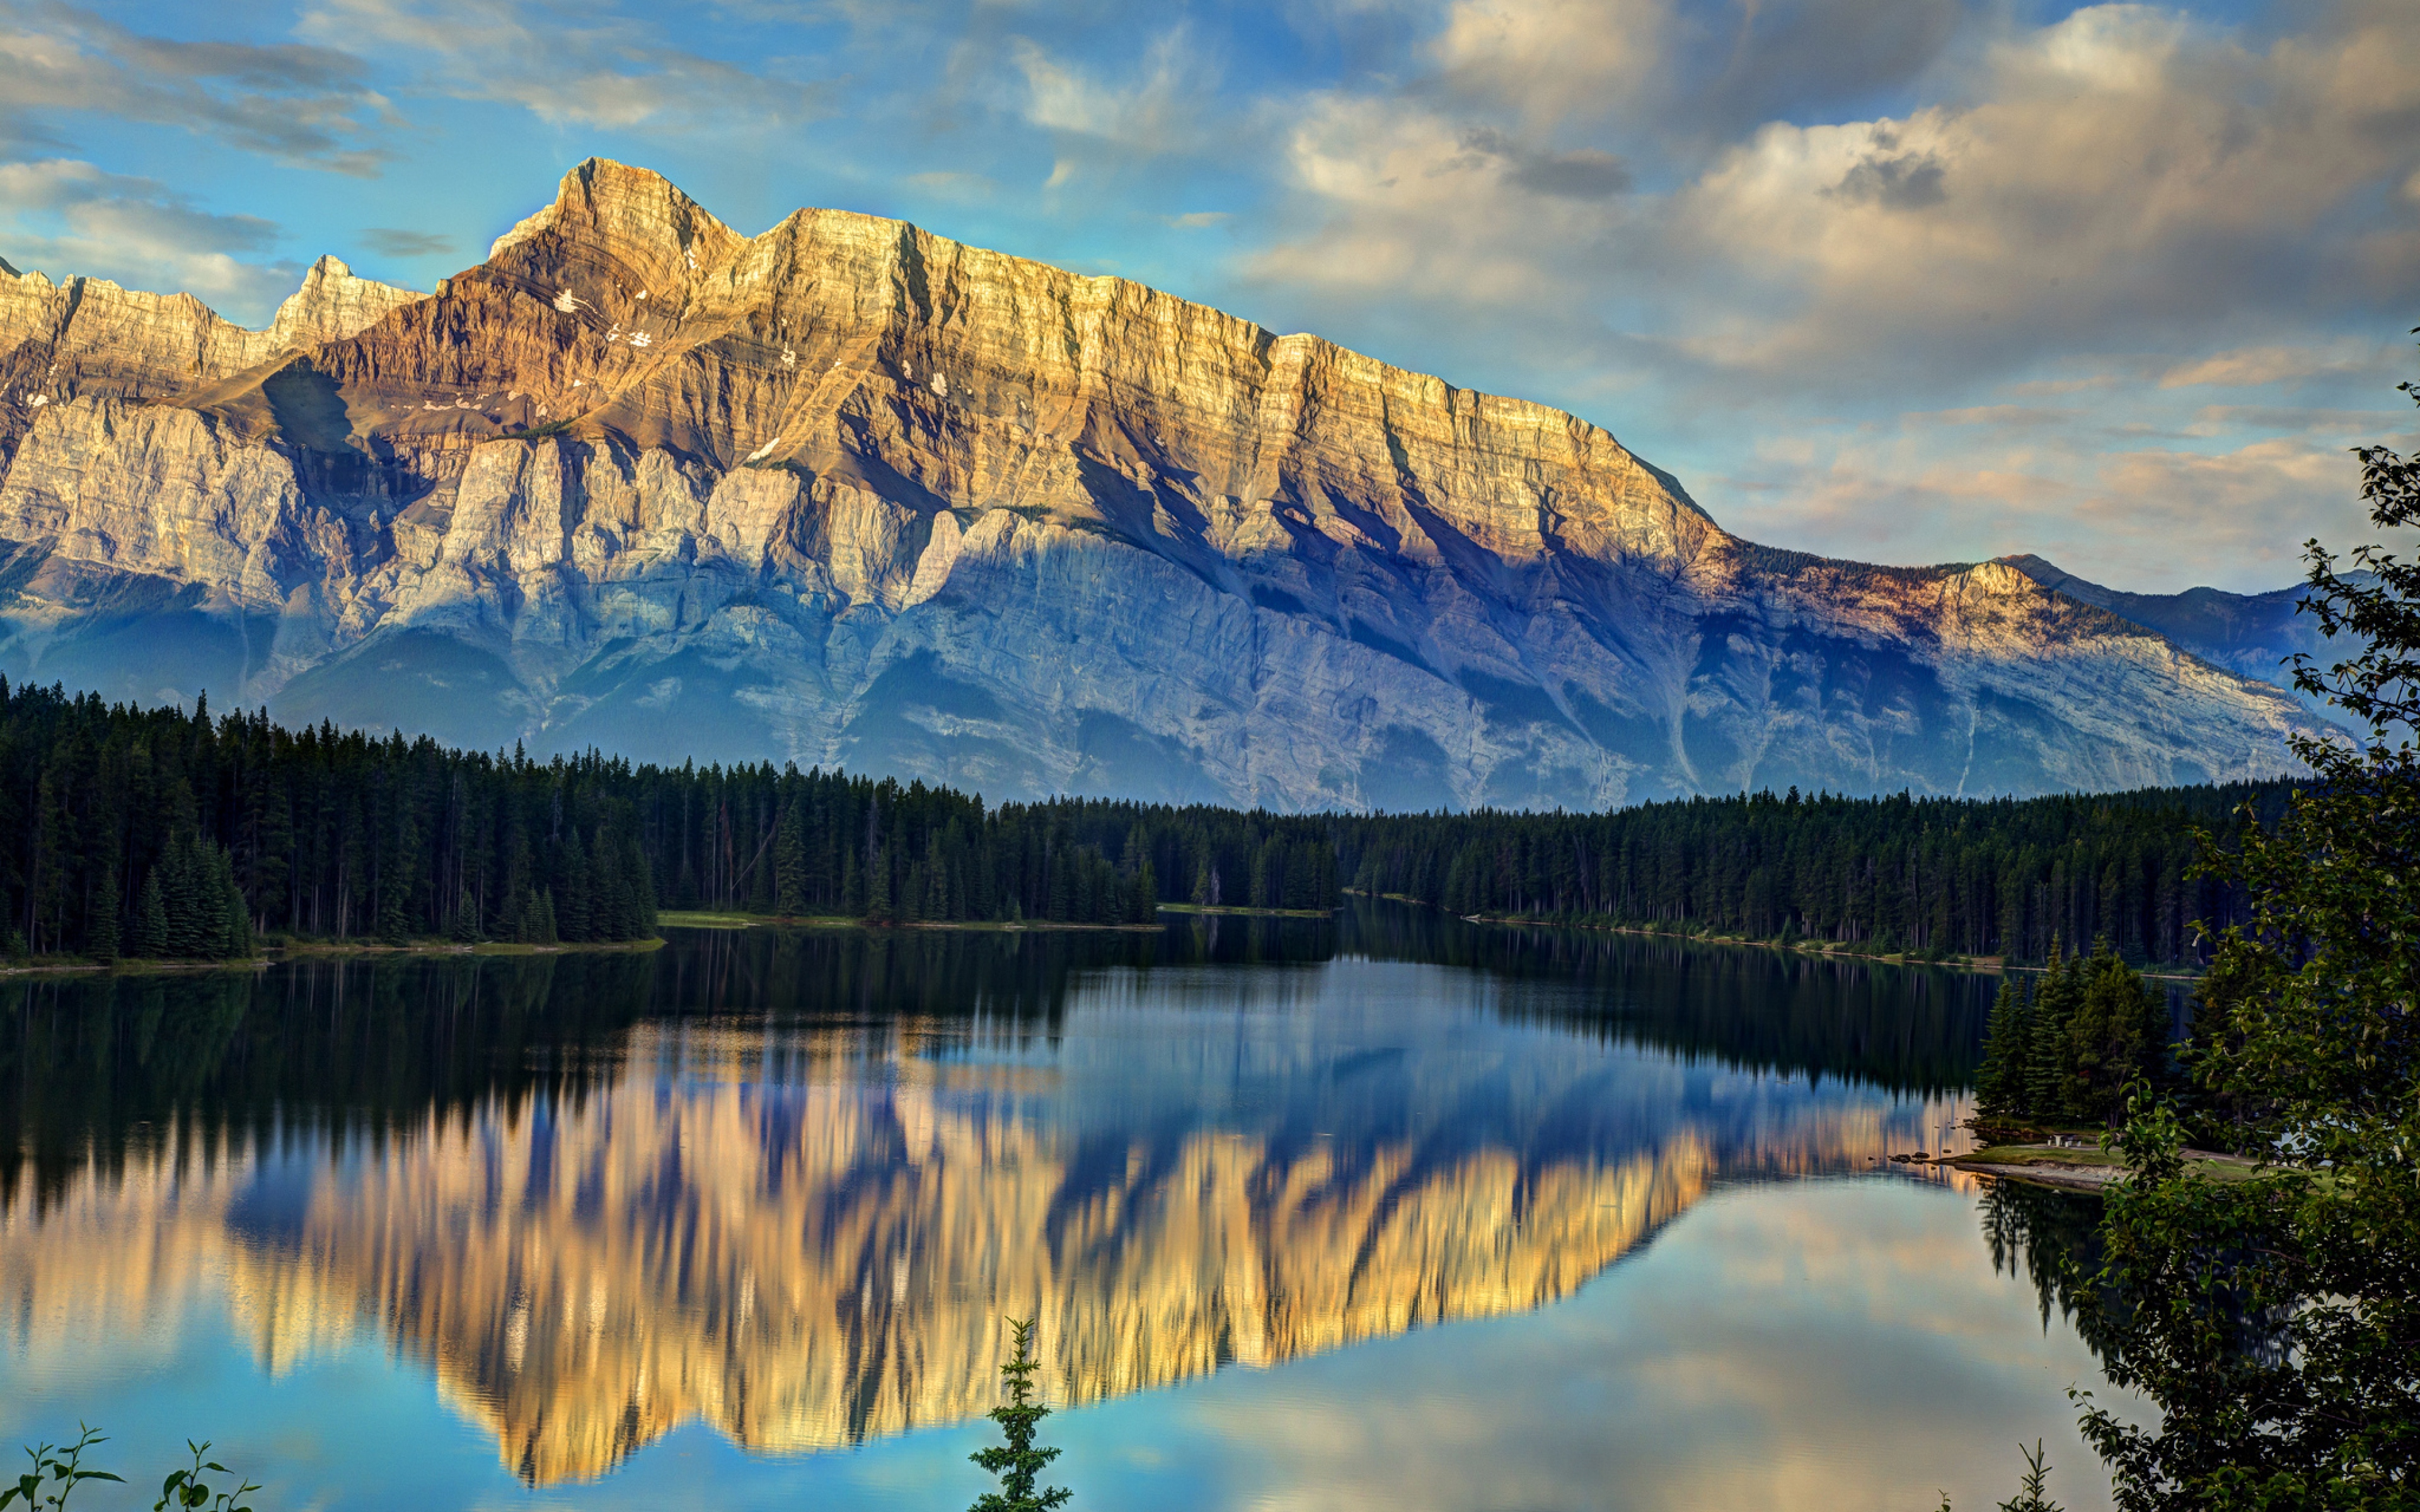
(789, 1182)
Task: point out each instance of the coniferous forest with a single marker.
(165, 833)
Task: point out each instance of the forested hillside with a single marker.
(158, 832)
(1959, 875)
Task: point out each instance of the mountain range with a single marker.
(849, 493)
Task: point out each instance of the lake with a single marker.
(1392, 1211)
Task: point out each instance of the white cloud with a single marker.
(1164, 109)
(67, 217)
(2151, 514)
(1549, 59)
(1419, 207)
(2259, 366)
(2124, 171)
(585, 68)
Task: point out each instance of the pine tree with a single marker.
(151, 917)
(232, 916)
(2000, 1083)
(101, 935)
(2119, 1032)
(393, 924)
(2049, 1083)
(1146, 894)
(643, 891)
(189, 930)
(878, 884)
(572, 898)
(1017, 1461)
(790, 862)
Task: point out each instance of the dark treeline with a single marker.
(155, 832)
(1960, 876)
(135, 831)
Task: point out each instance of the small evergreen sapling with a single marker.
(1017, 1462)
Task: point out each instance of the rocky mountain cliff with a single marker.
(847, 492)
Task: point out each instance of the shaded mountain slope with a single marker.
(2254, 634)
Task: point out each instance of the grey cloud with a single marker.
(310, 105)
(1910, 181)
(391, 241)
(1585, 173)
(1790, 59)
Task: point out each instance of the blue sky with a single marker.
(1900, 280)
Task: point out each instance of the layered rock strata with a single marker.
(847, 492)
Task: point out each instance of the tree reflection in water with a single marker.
(787, 1180)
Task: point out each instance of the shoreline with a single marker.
(1989, 963)
(1237, 911)
(701, 918)
(2071, 1170)
(308, 950)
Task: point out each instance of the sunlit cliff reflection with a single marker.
(808, 1234)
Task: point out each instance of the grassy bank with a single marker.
(304, 949)
(2086, 1169)
(1247, 913)
(691, 918)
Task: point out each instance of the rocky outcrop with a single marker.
(848, 492)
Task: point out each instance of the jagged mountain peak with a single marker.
(848, 491)
(333, 303)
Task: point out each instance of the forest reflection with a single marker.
(790, 1182)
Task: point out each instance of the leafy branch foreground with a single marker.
(59, 1469)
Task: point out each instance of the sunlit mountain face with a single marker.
(847, 492)
(791, 1184)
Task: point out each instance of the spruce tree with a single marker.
(790, 862)
(1017, 1461)
(232, 917)
(393, 924)
(2000, 1084)
(182, 893)
(572, 898)
(101, 935)
(878, 884)
(2119, 1034)
(151, 917)
(2048, 1082)
(641, 879)
(1146, 894)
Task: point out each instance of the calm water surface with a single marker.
(1390, 1213)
